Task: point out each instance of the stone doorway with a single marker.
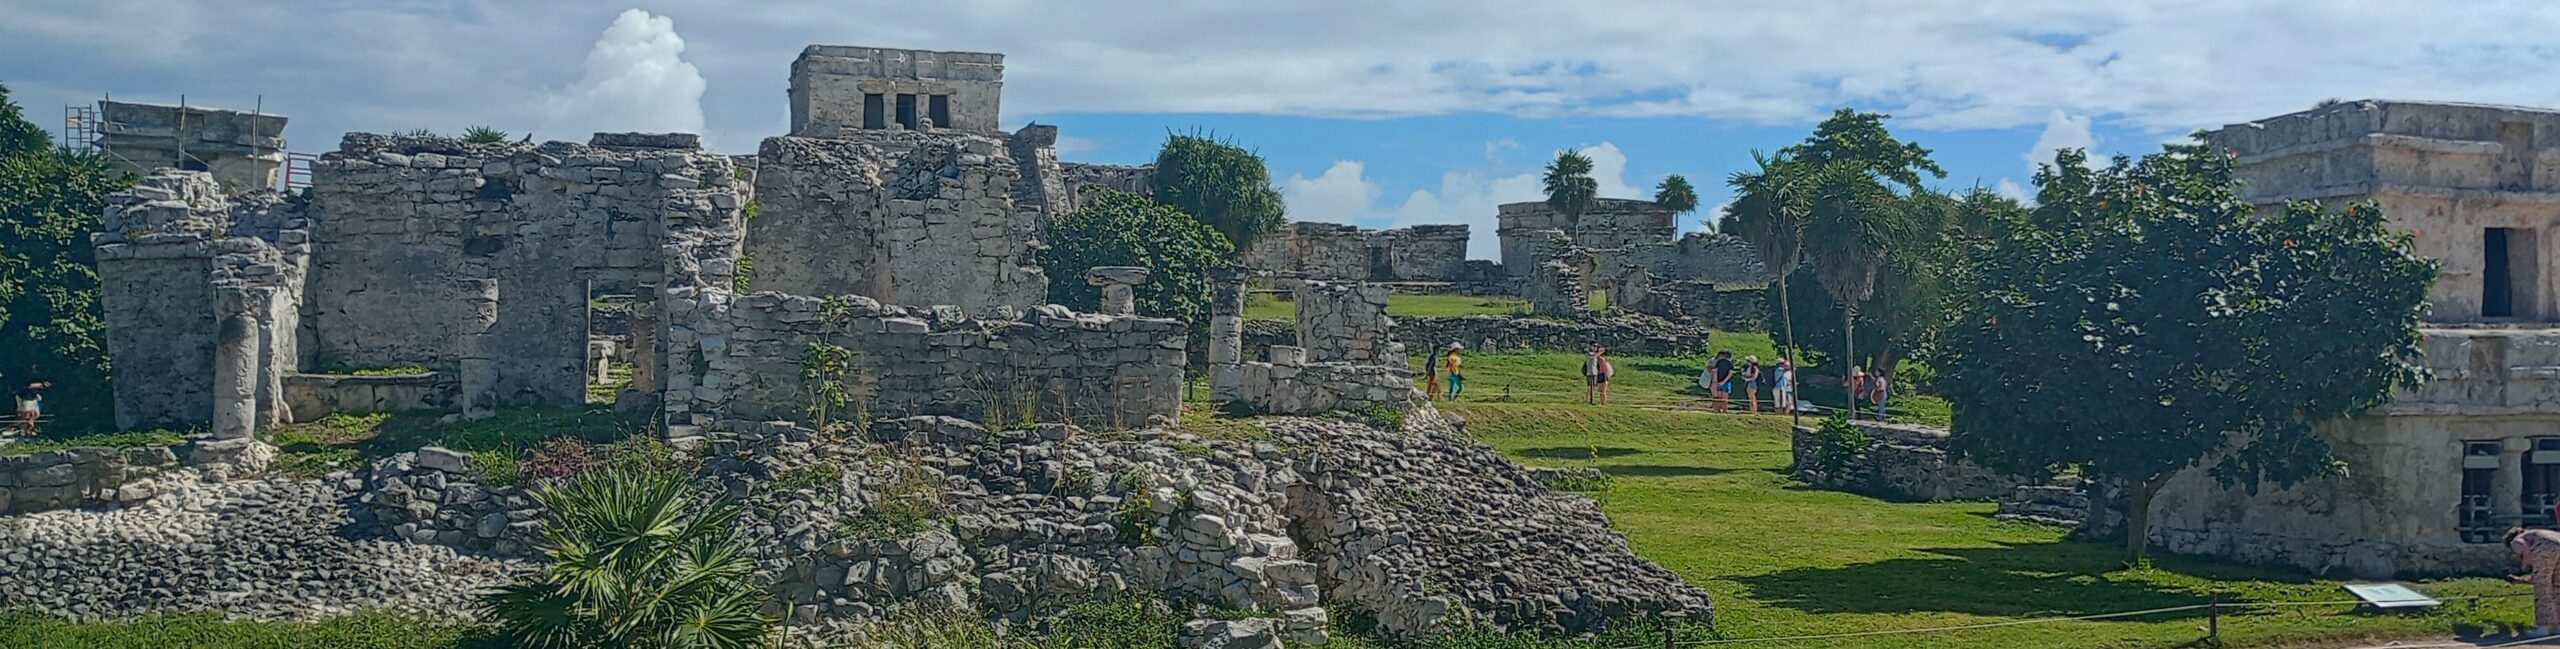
(2510, 273)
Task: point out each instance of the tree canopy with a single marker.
(51, 200)
(1675, 194)
(1123, 229)
(2144, 319)
(1220, 184)
(1569, 185)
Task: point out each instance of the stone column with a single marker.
(600, 353)
(1119, 287)
(1226, 316)
(478, 371)
(644, 340)
(2506, 489)
(235, 363)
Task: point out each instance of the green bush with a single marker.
(1121, 229)
(1836, 442)
(637, 559)
(1381, 416)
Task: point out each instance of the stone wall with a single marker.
(409, 220)
(740, 358)
(81, 477)
(434, 496)
(241, 150)
(1422, 253)
(1724, 306)
(1902, 462)
(1084, 180)
(1348, 323)
(1560, 283)
(1608, 223)
(832, 89)
(901, 217)
(312, 396)
(1713, 258)
(1633, 334)
(172, 247)
(1329, 250)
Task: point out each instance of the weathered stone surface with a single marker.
(1903, 462)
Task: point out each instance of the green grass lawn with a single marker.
(1706, 495)
(1651, 381)
(1278, 306)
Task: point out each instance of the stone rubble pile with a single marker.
(268, 549)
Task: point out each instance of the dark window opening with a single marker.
(940, 109)
(875, 111)
(2541, 482)
(2497, 282)
(907, 111)
(190, 163)
(2477, 520)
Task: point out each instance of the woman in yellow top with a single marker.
(1449, 362)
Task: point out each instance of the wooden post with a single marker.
(2213, 619)
(1670, 637)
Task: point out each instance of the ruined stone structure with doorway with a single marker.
(1623, 253)
(2441, 472)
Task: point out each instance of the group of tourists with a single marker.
(1446, 361)
(1867, 385)
(1723, 378)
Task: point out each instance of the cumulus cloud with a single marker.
(2011, 189)
(636, 80)
(2061, 131)
(1339, 195)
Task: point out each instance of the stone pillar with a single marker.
(644, 340)
(600, 359)
(1119, 287)
(1226, 316)
(478, 373)
(2506, 489)
(235, 363)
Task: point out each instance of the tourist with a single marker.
(31, 405)
(1595, 374)
(1782, 385)
(1722, 385)
(2539, 550)
(1857, 389)
(1430, 378)
(1750, 380)
(1877, 385)
(1457, 381)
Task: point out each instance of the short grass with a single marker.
(122, 439)
(1279, 306)
(1706, 495)
(342, 441)
(1651, 381)
(24, 630)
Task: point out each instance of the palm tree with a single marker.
(1768, 212)
(1570, 187)
(1857, 216)
(636, 561)
(1676, 195)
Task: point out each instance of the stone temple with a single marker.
(2440, 472)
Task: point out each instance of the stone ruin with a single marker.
(1331, 251)
(1345, 359)
(1625, 248)
(243, 151)
(903, 252)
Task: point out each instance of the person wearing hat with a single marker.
(1449, 364)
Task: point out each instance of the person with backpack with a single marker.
(1782, 385)
(1595, 375)
(1430, 378)
(1720, 384)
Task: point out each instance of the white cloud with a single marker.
(636, 80)
(1340, 195)
(1473, 198)
(1494, 150)
(2061, 131)
(2010, 188)
(1069, 145)
(2155, 65)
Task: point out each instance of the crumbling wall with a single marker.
(832, 85)
(1346, 322)
(1715, 258)
(1085, 181)
(1328, 250)
(935, 211)
(741, 358)
(1423, 253)
(1607, 223)
(1901, 462)
(168, 243)
(409, 220)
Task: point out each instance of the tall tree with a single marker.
(1768, 211)
(51, 328)
(1675, 194)
(1859, 181)
(2144, 320)
(1569, 185)
(1220, 184)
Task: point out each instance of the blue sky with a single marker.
(1416, 111)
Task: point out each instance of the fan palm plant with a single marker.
(1676, 194)
(1858, 217)
(636, 561)
(1768, 212)
(1569, 185)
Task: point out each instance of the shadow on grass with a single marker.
(1659, 471)
(1578, 452)
(2055, 578)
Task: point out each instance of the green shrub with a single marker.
(1077, 482)
(497, 467)
(1136, 521)
(637, 559)
(1836, 442)
(914, 504)
(1381, 416)
(822, 477)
